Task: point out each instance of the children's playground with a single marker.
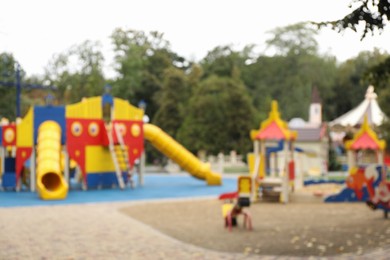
(75, 177)
(96, 144)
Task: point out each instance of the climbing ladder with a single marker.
(115, 159)
(125, 155)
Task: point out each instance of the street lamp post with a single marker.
(18, 84)
(18, 90)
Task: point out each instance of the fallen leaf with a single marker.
(322, 248)
(294, 239)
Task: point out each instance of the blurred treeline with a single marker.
(213, 103)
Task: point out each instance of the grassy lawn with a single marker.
(236, 169)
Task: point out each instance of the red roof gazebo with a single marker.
(365, 139)
(273, 128)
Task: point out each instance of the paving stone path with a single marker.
(97, 231)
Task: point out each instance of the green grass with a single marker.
(236, 169)
(328, 178)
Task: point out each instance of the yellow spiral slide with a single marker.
(51, 184)
(176, 152)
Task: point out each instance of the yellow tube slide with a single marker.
(176, 152)
(51, 184)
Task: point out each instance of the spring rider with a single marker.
(234, 203)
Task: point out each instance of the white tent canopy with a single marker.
(368, 107)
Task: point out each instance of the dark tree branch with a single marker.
(375, 14)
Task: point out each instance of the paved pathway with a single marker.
(97, 231)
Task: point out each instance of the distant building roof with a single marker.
(297, 122)
(310, 134)
(315, 96)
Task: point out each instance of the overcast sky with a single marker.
(35, 30)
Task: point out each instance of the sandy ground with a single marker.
(306, 227)
(194, 229)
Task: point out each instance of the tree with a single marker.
(379, 76)
(374, 14)
(294, 39)
(351, 81)
(384, 102)
(171, 101)
(219, 117)
(77, 72)
(7, 86)
(140, 61)
(224, 62)
(289, 75)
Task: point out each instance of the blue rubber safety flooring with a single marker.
(156, 186)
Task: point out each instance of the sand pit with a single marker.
(301, 228)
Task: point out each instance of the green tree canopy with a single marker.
(224, 62)
(140, 61)
(219, 117)
(373, 16)
(77, 72)
(351, 81)
(171, 100)
(294, 39)
(290, 75)
(7, 89)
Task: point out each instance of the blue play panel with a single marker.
(156, 186)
